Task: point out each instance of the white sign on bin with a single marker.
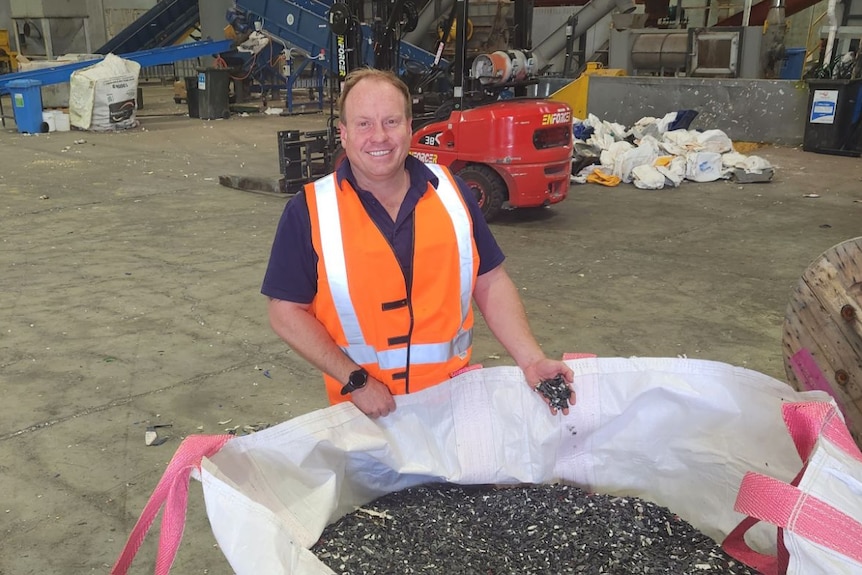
(823, 107)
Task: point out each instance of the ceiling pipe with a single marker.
(760, 11)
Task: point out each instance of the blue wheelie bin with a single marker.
(27, 105)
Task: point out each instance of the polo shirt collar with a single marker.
(420, 176)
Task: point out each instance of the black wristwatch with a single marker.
(356, 380)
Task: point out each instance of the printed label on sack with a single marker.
(823, 106)
(121, 111)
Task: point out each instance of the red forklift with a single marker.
(513, 153)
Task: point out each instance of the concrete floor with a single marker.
(130, 298)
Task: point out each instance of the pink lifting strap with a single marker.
(784, 505)
(791, 509)
(172, 491)
(568, 356)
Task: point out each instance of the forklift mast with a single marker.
(523, 32)
(385, 16)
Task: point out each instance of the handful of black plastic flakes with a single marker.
(556, 390)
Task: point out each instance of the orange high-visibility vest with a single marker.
(362, 298)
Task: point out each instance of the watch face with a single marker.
(358, 378)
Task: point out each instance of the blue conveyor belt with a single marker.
(166, 55)
(164, 24)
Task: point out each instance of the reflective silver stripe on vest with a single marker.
(329, 220)
(336, 271)
(461, 220)
(424, 353)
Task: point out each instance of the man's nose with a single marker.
(379, 131)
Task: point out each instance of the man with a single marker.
(373, 267)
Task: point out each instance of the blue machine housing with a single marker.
(303, 24)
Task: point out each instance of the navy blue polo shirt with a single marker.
(292, 271)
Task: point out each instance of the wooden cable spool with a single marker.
(822, 337)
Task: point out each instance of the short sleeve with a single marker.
(291, 274)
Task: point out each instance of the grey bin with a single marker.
(192, 96)
(834, 124)
(213, 88)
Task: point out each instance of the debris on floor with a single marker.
(247, 429)
(152, 437)
(659, 152)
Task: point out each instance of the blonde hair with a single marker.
(386, 76)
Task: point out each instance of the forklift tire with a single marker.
(488, 188)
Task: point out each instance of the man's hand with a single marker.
(549, 369)
(374, 400)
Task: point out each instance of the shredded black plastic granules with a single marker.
(557, 391)
(550, 529)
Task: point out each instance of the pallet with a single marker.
(822, 336)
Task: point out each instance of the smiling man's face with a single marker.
(375, 132)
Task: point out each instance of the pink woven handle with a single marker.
(763, 498)
(172, 491)
(575, 355)
(788, 507)
(735, 546)
(809, 421)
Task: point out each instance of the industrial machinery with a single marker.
(513, 152)
(471, 115)
(722, 51)
(8, 58)
(42, 29)
(289, 38)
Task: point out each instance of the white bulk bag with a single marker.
(682, 433)
(103, 97)
(703, 166)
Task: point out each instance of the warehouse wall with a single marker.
(771, 111)
(5, 15)
(213, 18)
(117, 15)
(100, 13)
(107, 17)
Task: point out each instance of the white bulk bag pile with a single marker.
(102, 97)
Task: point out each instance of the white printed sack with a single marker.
(103, 97)
(681, 433)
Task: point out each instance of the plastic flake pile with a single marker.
(657, 152)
